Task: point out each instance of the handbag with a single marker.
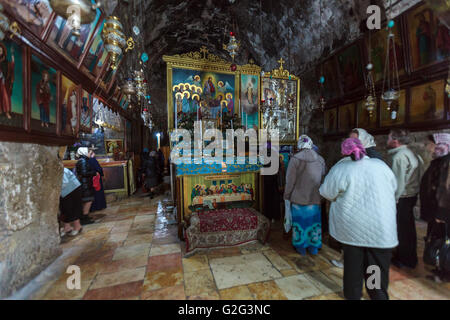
(443, 262)
(437, 249)
(96, 183)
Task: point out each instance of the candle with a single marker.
(221, 113)
(201, 134)
(176, 120)
(246, 120)
(231, 124)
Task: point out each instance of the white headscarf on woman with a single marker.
(83, 151)
(366, 139)
(304, 142)
(442, 141)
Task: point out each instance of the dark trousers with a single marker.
(356, 262)
(406, 229)
(71, 206)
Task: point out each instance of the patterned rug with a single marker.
(225, 228)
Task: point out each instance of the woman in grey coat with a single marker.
(303, 178)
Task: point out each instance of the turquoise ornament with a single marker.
(391, 23)
(144, 57)
(322, 79)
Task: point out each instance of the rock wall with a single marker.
(30, 184)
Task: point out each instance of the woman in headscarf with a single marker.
(435, 186)
(99, 196)
(369, 145)
(70, 201)
(362, 218)
(367, 141)
(85, 173)
(304, 175)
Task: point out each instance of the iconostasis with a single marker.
(51, 78)
(421, 51)
(202, 87)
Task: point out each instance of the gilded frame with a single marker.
(200, 60)
(284, 74)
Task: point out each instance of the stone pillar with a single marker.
(30, 184)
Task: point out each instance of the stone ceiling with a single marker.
(267, 30)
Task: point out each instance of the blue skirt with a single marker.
(306, 228)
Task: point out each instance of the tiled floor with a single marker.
(134, 253)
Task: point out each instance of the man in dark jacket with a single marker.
(85, 173)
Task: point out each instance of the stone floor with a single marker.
(134, 253)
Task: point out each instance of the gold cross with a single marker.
(281, 61)
(204, 51)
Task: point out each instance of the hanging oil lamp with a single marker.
(391, 82)
(447, 86)
(139, 83)
(322, 101)
(370, 102)
(76, 12)
(128, 88)
(115, 40)
(232, 47)
(5, 25)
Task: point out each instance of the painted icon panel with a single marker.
(427, 102)
(43, 96)
(69, 106)
(11, 84)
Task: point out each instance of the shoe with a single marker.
(86, 221)
(73, 233)
(337, 264)
(63, 233)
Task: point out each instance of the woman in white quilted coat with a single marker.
(362, 218)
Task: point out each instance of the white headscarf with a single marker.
(442, 141)
(83, 151)
(304, 142)
(366, 139)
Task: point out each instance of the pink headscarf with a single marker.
(442, 141)
(353, 146)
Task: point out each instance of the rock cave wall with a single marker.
(30, 184)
